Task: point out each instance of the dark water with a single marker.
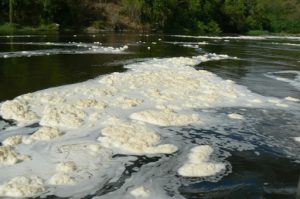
(269, 175)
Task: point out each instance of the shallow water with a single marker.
(260, 153)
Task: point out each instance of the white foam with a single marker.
(12, 140)
(63, 44)
(166, 117)
(194, 45)
(8, 156)
(134, 138)
(140, 192)
(295, 82)
(82, 50)
(90, 123)
(286, 44)
(21, 36)
(235, 116)
(66, 167)
(46, 133)
(292, 99)
(62, 179)
(67, 116)
(297, 139)
(190, 46)
(17, 110)
(199, 165)
(22, 187)
(241, 37)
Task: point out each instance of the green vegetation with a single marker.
(254, 17)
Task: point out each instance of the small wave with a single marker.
(21, 36)
(294, 81)
(62, 44)
(239, 37)
(47, 52)
(195, 45)
(286, 44)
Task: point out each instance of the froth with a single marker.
(199, 165)
(84, 127)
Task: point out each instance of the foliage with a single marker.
(185, 16)
(8, 27)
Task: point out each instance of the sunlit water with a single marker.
(260, 152)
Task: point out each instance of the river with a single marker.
(149, 116)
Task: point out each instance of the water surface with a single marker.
(269, 67)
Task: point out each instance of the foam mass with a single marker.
(8, 156)
(166, 117)
(85, 133)
(140, 192)
(199, 163)
(22, 187)
(134, 138)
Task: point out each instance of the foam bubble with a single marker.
(134, 138)
(140, 192)
(66, 167)
(287, 44)
(46, 133)
(241, 37)
(297, 139)
(292, 99)
(57, 51)
(22, 187)
(62, 179)
(8, 156)
(68, 116)
(235, 116)
(199, 165)
(17, 110)
(12, 140)
(166, 117)
(195, 45)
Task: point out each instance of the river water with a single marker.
(246, 105)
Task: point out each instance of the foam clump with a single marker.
(90, 103)
(292, 99)
(297, 139)
(235, 116)
(88, 148)
(22, 187)
(134, 138)
(52, 98)
(46, 133)
(84, 49)
(140, 192)
(67, 116)
(66, 167)
(8, 156)
(62, 179)
(12, 140)
(17, 110)
(127, 102)
(166, 117)
(95, 91)
(199, 165)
